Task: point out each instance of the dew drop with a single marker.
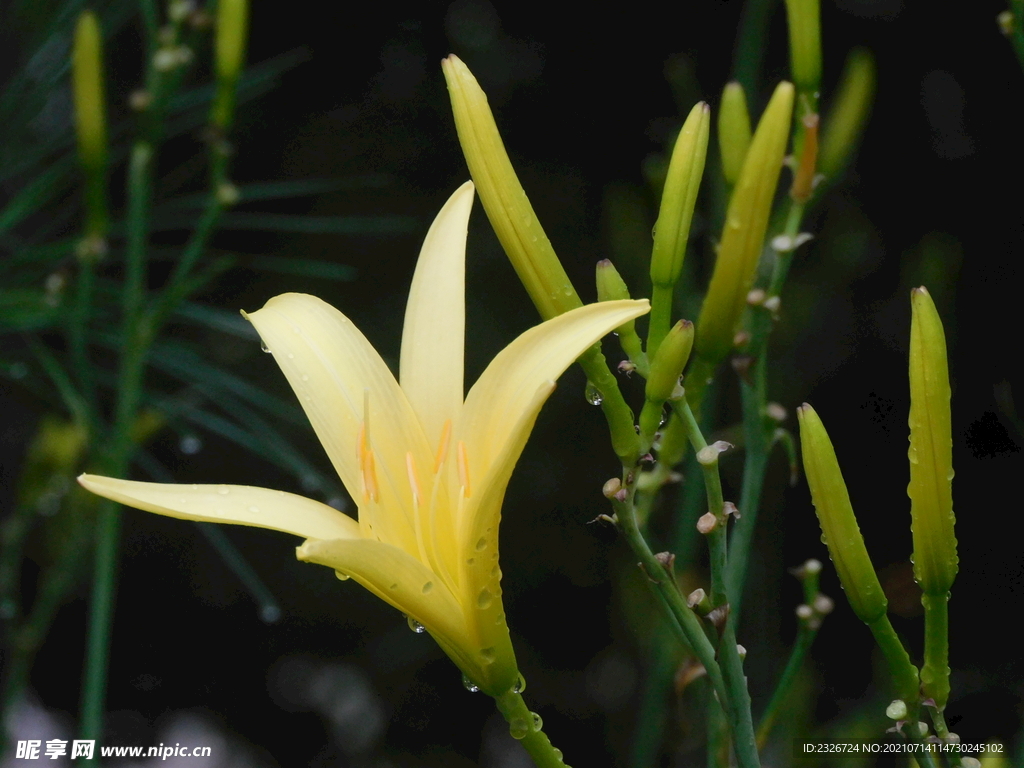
(427, 587)
(484, 599)
(223, 490)
(469, 685)
(415, 626)
(342, 576)
(305, 377)
(557, 752)
(520, 685)
(519, 727)
(495, 572)
(593, 394)
(488, 655)
(264, 347)
(471, 561)
(190, 445)
(499, 619)
(291, 356)
(481, 544)
(537, 722)
(254, 509)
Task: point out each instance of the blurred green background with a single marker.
(586, 100)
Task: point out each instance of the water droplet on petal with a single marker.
(484, 599)
(488, 655)
(291, 356)
(305, 377)
(415, 626)
(394, 586)
(481, 544)
(469, 685)
(342, 576)
(427, 587)
(593, 394)
(520, 685)
(254, 509)
(471, 561)
(223, 490)
(264, 347)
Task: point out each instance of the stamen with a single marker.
(463, 469)
(370, 477)
(442, 449)
(410, 468)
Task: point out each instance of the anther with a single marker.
(463, 469)
(442, 448)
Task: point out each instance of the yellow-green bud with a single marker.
(745, 224)
(931, 450)
(232, 33)
(838, 523)
(733, 131)
(511, 215)
(667, 365)
(610, 285)
(90, 119)
(804, 21)
(679, 196)
(851, 106)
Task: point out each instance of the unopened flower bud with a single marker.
(897, 710)
(611, 487)
(733, 131)
(696, 597)
(804, 612)
(90, 120)
(823, 604)
(232, 33)
(746, 222)
(741, 651)
(667, 365)
(843, 126)
(804, 21)
(775, 412)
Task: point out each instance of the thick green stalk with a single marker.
(526, 727)
(935, 670)
(903, 673)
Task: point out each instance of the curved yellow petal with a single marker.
(435, 319)
(237, 504)
(337, 375)
(506, 391)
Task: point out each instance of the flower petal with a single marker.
(433, 338)
(239, 504)
(336, 374)
(396, 578)
(504, 397)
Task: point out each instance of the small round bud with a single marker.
(952, 738)
(772, 304)
(812, 567)
(741, 651)
(139, 100)
(922, 728)
(741, 339)
(1005, 21)
(775, 412)
(696, 597)
(823, 604)
(707, 522)
(970, 762)
(756, 297)
(611, 488)
(804, 612)
(227, 194)
(897, 710)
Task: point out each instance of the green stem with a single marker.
(737, 704)
(804, 639)
(935, 670)
(904, 673)
(625, 441)
(660, 317)
(942, 731)
(94, 690)
(751, 42)
(525, 726)
(1017, 34)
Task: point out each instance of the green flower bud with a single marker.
(232, 33)
(733, 131)
(844, 124)
(90, 119)
(667, 365)
(679, 196)
(805, 48)
(610, 285)
(838, 523)
(515, 223)
(745, 225)
(931, 450)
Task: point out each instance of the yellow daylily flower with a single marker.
(427, 468)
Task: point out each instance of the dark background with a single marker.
(582, 100)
